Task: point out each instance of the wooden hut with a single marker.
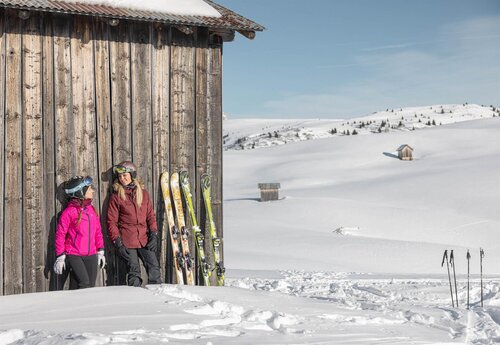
(405, 152)
(269, 191)
(83, 87)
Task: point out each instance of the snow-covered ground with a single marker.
(350, 254)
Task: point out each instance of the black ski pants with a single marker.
(150, 262)
(83, 271)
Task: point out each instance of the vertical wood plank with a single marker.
(3, 35)
(120, 93)
(214, 99)
(202, 142)
(13, 208)
(142, 130)
(48, 149)
(34, 205)
(104, 135)
(66, 149)
(160, 105)
(82, 84)
(120, 115)
(84, 108)
(182, 118)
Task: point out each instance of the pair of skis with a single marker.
(182, 257)
(178, 233)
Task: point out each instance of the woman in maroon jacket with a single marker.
(132, 225)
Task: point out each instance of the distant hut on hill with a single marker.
(405, 152)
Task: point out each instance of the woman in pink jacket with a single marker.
(79, 241)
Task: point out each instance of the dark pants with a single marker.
(150, 262)
(83, 271)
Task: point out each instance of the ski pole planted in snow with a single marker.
(481, 256)
(468, 271)
(452, 263)
(445, 257)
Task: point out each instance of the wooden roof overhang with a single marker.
(225, 26)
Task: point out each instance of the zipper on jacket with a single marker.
(76, 237)
(88, 218)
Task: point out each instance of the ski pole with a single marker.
(452, 262)
(481, 256)
(445, 257)
(468, 271)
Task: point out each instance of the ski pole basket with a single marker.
(269, 191)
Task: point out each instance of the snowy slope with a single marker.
(257, 133)
(351, 254)
(299, 308)
(397, 216)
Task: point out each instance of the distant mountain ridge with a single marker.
(246, 134)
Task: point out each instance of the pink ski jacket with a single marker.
(82, 239)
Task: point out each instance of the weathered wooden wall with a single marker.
(76, 97)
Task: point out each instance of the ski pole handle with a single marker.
(445, 257)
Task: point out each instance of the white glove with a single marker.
(101, 259)
(60, 264)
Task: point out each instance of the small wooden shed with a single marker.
(405, 152)
(84, 86)
(269, 191)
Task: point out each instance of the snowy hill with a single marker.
(247, 134)
(397, 216)
(350, 254)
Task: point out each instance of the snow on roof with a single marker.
(178, 7)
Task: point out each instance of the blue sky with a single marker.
(345, 58)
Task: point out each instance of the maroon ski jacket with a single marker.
(127, 220)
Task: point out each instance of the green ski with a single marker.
(216, 241)
(199, 239)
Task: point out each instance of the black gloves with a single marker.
(152, 241)
(122, 250)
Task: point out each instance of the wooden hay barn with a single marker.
(83, 87)
(405, 152)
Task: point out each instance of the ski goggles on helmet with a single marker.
(86, 181)
(120, 169)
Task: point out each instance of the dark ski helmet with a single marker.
(77, 186)
(125, 167)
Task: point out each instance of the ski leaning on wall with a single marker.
(179, 212)
(214, 239)
(199, 238)
(178, 256)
